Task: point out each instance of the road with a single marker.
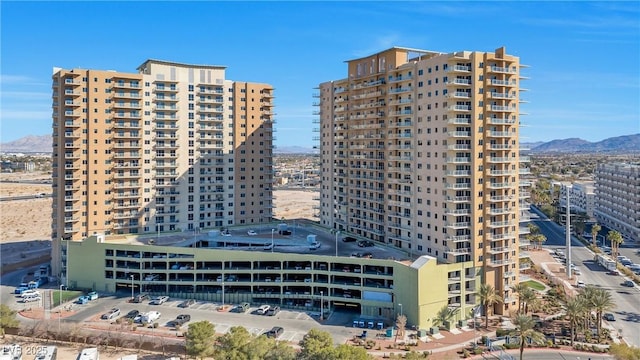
(627, 311)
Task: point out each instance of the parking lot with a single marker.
(295, 323)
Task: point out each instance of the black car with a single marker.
(273, 311)
(275, 332)
(349, 239)
(132, 314)
(365, 243)
(181, 320)
(140, 298)
(187, 303)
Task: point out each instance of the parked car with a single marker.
(628, 283)
(31, 298)
(580, 284)
(365, 243)
(349, 239)
(132, 314)
(159, 300)
(274, 310)
(609, 317)
(150, 317)
(180, 320)
(140, 298)
(613, 272)
(187, 303)
(275, 332)
(112, 314)
(29, 292)
(263, 309)
(252, 233)
(242, 308)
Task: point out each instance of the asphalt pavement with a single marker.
(627, 310)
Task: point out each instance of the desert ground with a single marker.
(29, 220)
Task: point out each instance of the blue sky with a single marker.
(583, 56)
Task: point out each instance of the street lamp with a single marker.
(337, 234)
(60, 307)
(321, 306)
(272, 231)
(131, 276)
(400, 309)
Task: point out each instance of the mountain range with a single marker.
(618, 144)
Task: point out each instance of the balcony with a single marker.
(501, 121)
(501, 70)
(125, 85)
(458, 68)
(172, 89)
(495, 263)
(458, 199)
(461, 82)
(459, 160)
(501, 96)
(496, 82)
(459, 121)
(500, 134)
(459, 108)
(498, 160)
(458, 225)
(458, 186)
(459, 133)
(400, 90)
(499, 108)
(400, 78)
(455, 173)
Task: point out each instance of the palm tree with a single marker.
(595, 229)
(616, 240)
(488, 297)
(537, 239)
(445, 315)
(525, 330)
(519, 289)
(576, 308)
(601, 302)
(528, 298)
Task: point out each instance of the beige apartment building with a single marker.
(618, 198)
(172, 148)
(420, 150)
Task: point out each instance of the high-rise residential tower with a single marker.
(173, 147)
(420, 151)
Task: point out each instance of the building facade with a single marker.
(420, 150)
(582, 197)
(173, 147)
(618, 198)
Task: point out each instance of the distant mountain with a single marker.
(619, 144)
(29, 144)
(531, 145)
(294, 150)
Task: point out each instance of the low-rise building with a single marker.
(377, 288)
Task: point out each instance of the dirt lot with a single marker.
(25, 225)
